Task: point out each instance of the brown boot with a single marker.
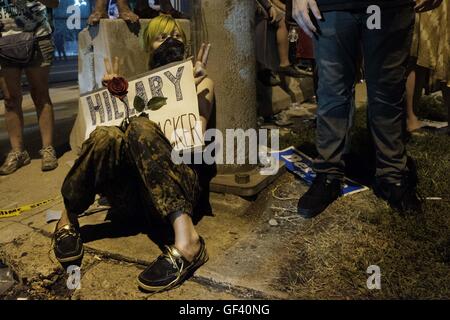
(125, 12)
(100, 12)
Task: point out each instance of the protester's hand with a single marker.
(300, 12)
(273, 14)
(426, 5)
(201, 62)
(112, 71)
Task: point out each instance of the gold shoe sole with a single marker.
(201, 261)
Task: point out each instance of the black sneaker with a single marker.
(402, 196)
(67, 244)
(170, 269)
(320, 195)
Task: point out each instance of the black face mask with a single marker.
(171, 50)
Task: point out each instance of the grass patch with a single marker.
(332, 252)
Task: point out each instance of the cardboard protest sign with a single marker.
(179, 118)
(301, 165)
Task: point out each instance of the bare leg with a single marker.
(13, 105)
(66, 219)
(38, 79)
(283, 43)
(412, 122)
(187, 239)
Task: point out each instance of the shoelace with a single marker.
(173, 260)
(13, 155)
(47, 151)
(64, 233)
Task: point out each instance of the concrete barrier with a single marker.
(108, 39)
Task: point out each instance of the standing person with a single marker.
(339, 29)
(430, 60)
(269, 16)
(133, 169)
(60, 46)
(23, 20)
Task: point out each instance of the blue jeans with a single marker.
(342, 36)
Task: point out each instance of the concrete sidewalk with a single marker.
(245, 251)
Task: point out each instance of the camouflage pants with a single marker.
(133, 169)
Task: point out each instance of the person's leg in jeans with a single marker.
(336, 51)
(386, 53)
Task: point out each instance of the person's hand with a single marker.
(273, 14)
(426, 5)
(201, 62)
(112, 71)
(300, 12)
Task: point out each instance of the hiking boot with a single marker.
(67, 244)
(49, 160)
(14, 160)
(320, 195)
(170, 269)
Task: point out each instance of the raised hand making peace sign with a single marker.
(112, 71)
(200, 64)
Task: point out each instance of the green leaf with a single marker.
(139, 104)
(156, 103)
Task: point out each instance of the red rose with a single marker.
(118, 87)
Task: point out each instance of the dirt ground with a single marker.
(323, 258)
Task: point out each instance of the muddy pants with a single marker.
(133, 169)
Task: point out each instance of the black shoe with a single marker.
(402, 197)
(320, 195)
(170, 269)
(268, 78)
(67, 244)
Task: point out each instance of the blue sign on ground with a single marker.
(300, 164)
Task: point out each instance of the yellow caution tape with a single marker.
(17, 211)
